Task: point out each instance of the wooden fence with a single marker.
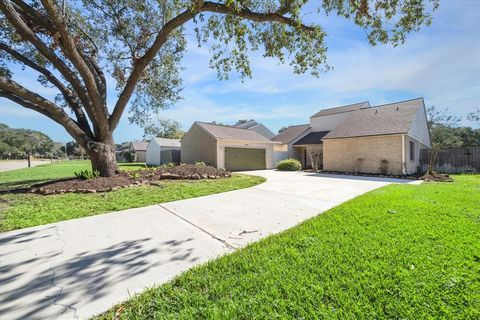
(453, 160)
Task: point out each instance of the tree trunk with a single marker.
(102, 157)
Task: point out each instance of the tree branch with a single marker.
(27, 34)
(69, 49)
(362, 8)
(247, 14)
(143, 62)
(18, 94)
(39, 20)
(182, 18)
(67, 94)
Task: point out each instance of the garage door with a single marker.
(237, 159)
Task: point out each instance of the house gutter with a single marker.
(404, 163)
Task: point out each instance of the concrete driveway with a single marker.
(78, 268)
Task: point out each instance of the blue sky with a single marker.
(440, 63)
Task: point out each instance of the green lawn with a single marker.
(22, 178)
(399, 252)
(27, 210)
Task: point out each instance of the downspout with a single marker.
(404, 163)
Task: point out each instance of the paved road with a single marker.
(78, 268)
(19, 164)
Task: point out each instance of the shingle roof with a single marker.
(347, 108)
(379, 120)
(139, 145)
(232, 133)
(312, 138)
(291, 133)
(164, 142)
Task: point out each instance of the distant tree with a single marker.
(24, 142)
(282, 129)
(445, 132)
(242, 121)
(74, 149)
(164, 128)
(217, 123)
(439, 116)
(57, 151)
(474, 116)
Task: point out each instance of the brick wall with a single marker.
(197, 145)
(363, 154)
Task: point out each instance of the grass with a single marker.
(27, 210)
(399, 252)
(22, 178)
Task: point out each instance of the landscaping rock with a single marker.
(150, 176)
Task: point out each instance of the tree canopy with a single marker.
(75, 46)
(164, 128)
(446, 132)
(17, 143)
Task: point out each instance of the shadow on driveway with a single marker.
(54, 288)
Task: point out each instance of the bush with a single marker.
(200, 163)
(289, 165)
(383, 166)
(87, 174)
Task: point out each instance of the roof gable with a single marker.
(290, 133)
(232, 133)
(139, 145)
(165, 142)
(341, 109)
(393, 118)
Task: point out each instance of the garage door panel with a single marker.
(237, 159)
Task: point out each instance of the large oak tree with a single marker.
(74, 46)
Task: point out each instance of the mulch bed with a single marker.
(436, 177)
(125, 179)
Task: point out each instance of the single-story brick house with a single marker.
(228, 147)
(357, 137)
(352, 138)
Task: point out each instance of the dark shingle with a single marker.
(312, 138)
(379, 120)
(347, 108)
(291, 133)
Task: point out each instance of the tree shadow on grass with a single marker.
(56, 289)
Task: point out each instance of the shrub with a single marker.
(383, 166)
(289, 165)
(200, 163)
(135, 176)
(87, 174)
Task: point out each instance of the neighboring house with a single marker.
(352, 138)
(228, 147)
(162, 150)
(357, 137)
(257, 127)
(139, 150)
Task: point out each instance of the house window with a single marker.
(412, 151)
